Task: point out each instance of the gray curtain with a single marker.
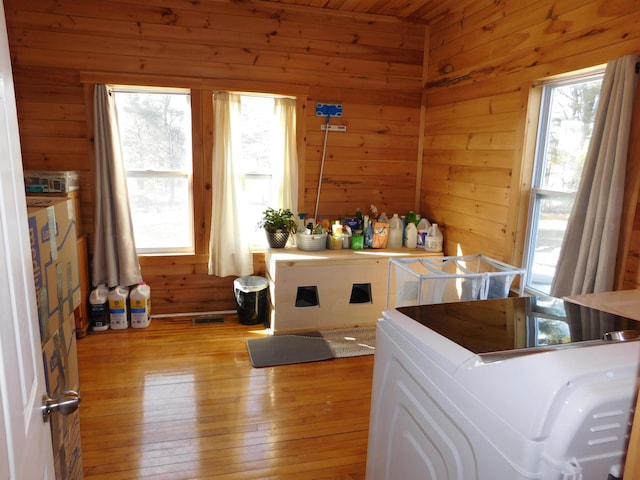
(115, 261)
(589, 248)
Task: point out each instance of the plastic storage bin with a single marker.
(251, 300)
(423, 281)
(51, 182)
(311, 243)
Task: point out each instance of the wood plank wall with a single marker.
(372, 65)
(483, 59)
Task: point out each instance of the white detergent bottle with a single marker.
(118, 308)
(395, 232)
(433, 241)
(99, 308)
(140, 306)
(423, 231)
(411, 236)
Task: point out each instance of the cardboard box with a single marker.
(60, 357)
(67, 453)
(54, 252)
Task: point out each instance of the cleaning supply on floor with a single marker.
(118, 308)
(99, 308)
(140, 306)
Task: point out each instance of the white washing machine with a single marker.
(504, 389)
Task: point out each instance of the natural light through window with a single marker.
(155, 134)
(259, 184)
(567, 114)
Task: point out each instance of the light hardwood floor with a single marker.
(178, 401)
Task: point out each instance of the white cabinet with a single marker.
(329, 288)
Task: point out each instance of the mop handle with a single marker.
(324, 152)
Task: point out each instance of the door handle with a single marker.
(65, 404)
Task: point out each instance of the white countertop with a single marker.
(295, 254)
(625, 303)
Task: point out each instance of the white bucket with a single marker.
(140, 306)
(118, 308)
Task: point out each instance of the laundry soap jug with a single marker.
(423, 231)
(433, 241)
(118, 316)
(395, 232)
(140, 306)
(410, 235)
(99, 308)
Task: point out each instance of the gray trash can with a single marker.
(251, 300)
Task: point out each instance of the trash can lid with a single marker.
(251, 283)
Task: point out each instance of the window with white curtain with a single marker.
(567, 113)
(258, 161)
(155, 135)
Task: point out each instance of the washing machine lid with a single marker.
(501, 328)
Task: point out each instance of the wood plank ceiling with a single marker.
(426, 11)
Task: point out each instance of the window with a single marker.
(567, 114)
(547, 322)
(259, 161)
(155, 134)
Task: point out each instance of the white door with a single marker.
(25, 440)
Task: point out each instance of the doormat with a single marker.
(287, 349)
(351, 342)
(311, 346)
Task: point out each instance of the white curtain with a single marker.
(115, 260)
(229, 243)
(229, 252)
(589, 248)
(285, 140)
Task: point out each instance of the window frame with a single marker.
(202, 90)
(261, 245)
(192, 248)
(537, 194)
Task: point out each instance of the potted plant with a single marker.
(278, 224)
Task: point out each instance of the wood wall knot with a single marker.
(170, 17)
(446, 69)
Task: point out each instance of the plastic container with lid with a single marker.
(434, 240)
(395, 232)
(99, 309)
(410, 235)
(423, 230)
(140, 306)
(368, 234)
(118, 319)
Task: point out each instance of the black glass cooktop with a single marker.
(522, 324)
